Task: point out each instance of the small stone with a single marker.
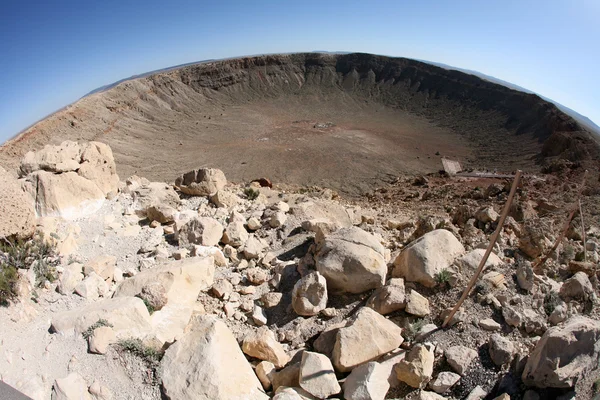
(489, 325)
(388, 298)
(416, 368)
(264, 346)
(278, 219)
(444, 381)
(417, 304)
(309, 296)
(229, 309)
(222, 287)
(70, 388)
(525, 276)
(577, 287)
(257, 276)
(101, 338)
(476, 394)
(253, 224)
(247, 290)
(329, 312)
(271, 299)
(317, 375)
(501, 349)
(259, 316)
(367, 382)
(264, 371)
(511, 316)
(460, 358)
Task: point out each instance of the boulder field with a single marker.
(207, 289)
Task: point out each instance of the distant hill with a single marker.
(581, 119)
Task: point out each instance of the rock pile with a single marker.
(230, 292)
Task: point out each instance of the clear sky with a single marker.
(52, 52)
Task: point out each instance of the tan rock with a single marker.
(101, 265)
(70, 278)
(161, 213)
(271, 299)
(92, 287)
(388, 298)
(16, 208)
(73, 387)
(369, 336)
(460, 358)
(264, 371)
(367, 381)
(417, 304)
(263, 345)
(100, 339)
(207, 364)
(417, 367)
(201, 182)
(309, 296)
(444, 381)
(351, 260)
(317, 375)
(204, 231)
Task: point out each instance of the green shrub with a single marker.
(413, 329)
(8, 282)
(551, 300)
(251, 194)
(33, 253)
(101, 322)
(443, 277)
(136, 347)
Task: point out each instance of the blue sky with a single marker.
(54, 52)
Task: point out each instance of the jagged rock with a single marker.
(254, 247)
(271, 299)
(489, 324)
(257, 276)
(427, 256)
(224, 199)
(525, 276)
(210, 251)
(264, 371)
(222, 287)
(101, 338)
(369, 336)
(469, 262)
(444, 381)
(92, 287)
(263, 345)
(423, 395)
(161, 213)
(501, 349)
(70, 278)
(287, 377)
(154, 295)
(292, 393)
(460, 358)
(533, 322)
(563, 354)
(277, 219)
(151, 194)
(317, 376)
(533, 241)
(367, 382)
(235, 234)
(207, 364)
(73, 387)
(486, 214)
(388, 298)
(417, 304)
(559, 314)
(577, 287)
(201, 182)
(204, 231)
(477, 393)
(351, 260)
(100, 392)
(309, 296)
(102, 265)
(65, 195)
(259, 316)
(16, 208)
(127, 315)
(416, 368)
(512, 316)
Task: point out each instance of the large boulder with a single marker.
(564, 354)
(16, 208)
(201, 182)
(207, 364)
(154, 194)
(427, 256)
(128, 316)
(367, 382)
(205, 231)
(369, 336)
(173, 289)
(69, 180)
(317, 376)
(351, 260)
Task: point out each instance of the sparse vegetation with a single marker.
(33, 253)
(101, 322)
(413, 329)
(149, 306)
(8, 282)
(551, 300)
(251, 194)
(138, 348)
(443, 277)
